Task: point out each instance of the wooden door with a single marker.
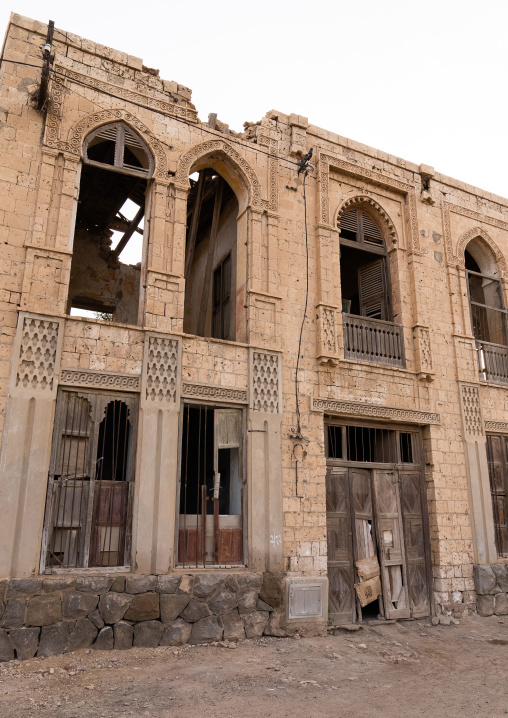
(340, 546)
(416, 541)
(497, 452)
(228, 491)
(390, 537)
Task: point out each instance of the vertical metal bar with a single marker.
(198, 479)
(203, 523)
(185, 541)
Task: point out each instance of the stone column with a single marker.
(478, 470)
(26, 448)
(157, 464)
(265, 519)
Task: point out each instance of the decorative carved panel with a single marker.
(100, 380)
(327, 333)
(471, 409)
(161, 369)
(499, 426)
(37, 355)
(356, 408)
(265, 382)
(458, 259)
(215, 393)
(422, 335)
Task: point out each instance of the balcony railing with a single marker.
(492, 362)
(373, 340)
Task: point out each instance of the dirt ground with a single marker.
(402, 669)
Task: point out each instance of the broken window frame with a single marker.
(121, 130)
(192, 544)
(76, 481)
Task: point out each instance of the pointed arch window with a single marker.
(119, 148)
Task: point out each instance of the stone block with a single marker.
(233, 626)
(25, 642)
(44, 610)
(177, 634)
(140, 584)
(255, 623)
(167, 584)
(263, 606)
(94, 584)
(250, 580)
(195, 611)
(123, 633)
(6, 647)
(3, 588)
(144, 607)
(271, 590)
(24, 587)
(231, 584)
(223, 602)
(96, 618)
(113, 606)
(58, 583)
(118, 585)
(484, 580)
(485, 605)
(105, 640)
(206, 630)
(501, 604)
(207, 583)
(82, 635)
(500, 571)
(247, 600)
(14, 613)
(274, 627)
(54, 639)
(147, 634)
(186, 584)
(172, 606)
(76, 604)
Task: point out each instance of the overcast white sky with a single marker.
(426, 81)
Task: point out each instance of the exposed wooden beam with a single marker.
(205, 291)
(130, 230)
(191, 242)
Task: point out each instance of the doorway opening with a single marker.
(377, 524)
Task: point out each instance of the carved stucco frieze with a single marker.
(471, 410)
(162, 357)
(37, 364)
(500, 427)
(341, 407)
(215, 393)
(100, 380)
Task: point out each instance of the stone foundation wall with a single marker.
(491, 583)
(45, 616)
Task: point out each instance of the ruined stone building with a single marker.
(235, 382)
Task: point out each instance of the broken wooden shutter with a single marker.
(340, 546)
(497, 451)
(371, 232)
(67, 499)
(372, 286)
(349, 225)
(416, 541)
(228, 487)
(391, 544)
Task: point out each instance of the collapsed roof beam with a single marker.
(130, 231)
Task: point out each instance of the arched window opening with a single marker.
(91, 481)
(109, 244)
(488, 315)
(369, 331)
(364, 267)
(212, 281)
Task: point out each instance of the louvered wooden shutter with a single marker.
(372, 285)
(371, 232)
(349, 224)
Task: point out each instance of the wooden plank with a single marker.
(191, 242)
(368, 568)
(133, 225)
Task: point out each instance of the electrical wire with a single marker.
(298, 432)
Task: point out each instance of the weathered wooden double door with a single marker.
(377, 512)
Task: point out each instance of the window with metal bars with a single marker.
(91, 481)
(369, 444)
(120, 148)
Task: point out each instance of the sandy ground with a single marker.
(402, 669)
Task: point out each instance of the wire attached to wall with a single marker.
(304, 166)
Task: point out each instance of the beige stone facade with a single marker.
(152, 351)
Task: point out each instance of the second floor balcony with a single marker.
(373, 340)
